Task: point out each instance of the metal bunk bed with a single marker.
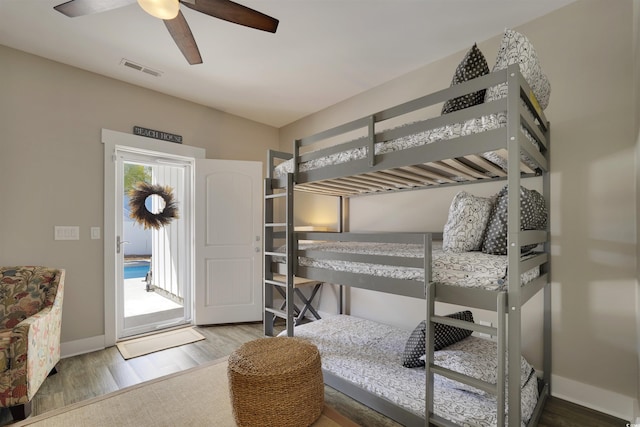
(426, 166)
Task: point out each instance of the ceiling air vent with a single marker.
(139, 67)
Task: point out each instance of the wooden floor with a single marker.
(94, 374)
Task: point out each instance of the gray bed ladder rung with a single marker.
(275, 224)
(476, 327)
(280, 313)
(441, 422)
(465, 379)
(275, 195)
(276, 283)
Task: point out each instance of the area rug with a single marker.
(198, 397)
(156, 342)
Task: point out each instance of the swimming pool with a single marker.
(135, 269)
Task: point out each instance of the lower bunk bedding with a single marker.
(369, 355)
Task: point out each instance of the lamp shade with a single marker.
(162, 9)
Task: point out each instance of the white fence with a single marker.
(139, 239)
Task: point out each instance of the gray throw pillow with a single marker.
(473, 65)
(444, 336)
(533, 216)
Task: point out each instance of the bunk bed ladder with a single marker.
(275, 231)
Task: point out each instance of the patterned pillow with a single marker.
(533, 216)
(468, 217)
(473, 65)
(415, 347)
(444, 336)
(477, 358)
(516, 49)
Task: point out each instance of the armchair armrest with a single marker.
(35, 344)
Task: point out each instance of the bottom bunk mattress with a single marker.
(369, 355)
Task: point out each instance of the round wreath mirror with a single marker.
(152, 206)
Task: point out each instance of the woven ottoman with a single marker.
(276, 382)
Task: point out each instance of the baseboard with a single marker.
(598, 399)
(86, 345)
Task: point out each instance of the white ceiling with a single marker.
(323, 52)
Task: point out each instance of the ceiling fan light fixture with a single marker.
(161, 9)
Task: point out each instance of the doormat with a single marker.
(157, 342)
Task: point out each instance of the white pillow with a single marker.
(516, 49)
(466, 224)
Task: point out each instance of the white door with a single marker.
(228, 242)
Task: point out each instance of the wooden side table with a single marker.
(299, 282)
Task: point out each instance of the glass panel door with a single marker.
(153, 289)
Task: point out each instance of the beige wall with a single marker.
(586, 50)
(51, 165)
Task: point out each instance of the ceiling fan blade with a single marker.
(234, 12)
(75, 8)
(181, 33)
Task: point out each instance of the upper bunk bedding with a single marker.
(369, 355)
(388, 150)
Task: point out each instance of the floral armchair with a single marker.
(30, 323)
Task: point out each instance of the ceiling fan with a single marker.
(169, 11)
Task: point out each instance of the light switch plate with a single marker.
(66, 232)
(95, 233)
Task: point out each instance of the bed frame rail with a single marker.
(411, 288)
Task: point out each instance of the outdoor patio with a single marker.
(139, 301)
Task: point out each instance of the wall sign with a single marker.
(156, 134)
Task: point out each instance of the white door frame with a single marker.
(113, 140)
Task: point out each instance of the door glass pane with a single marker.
(155, 259)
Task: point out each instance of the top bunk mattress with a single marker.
(466, 269)
(369, 355)
(448, 132)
